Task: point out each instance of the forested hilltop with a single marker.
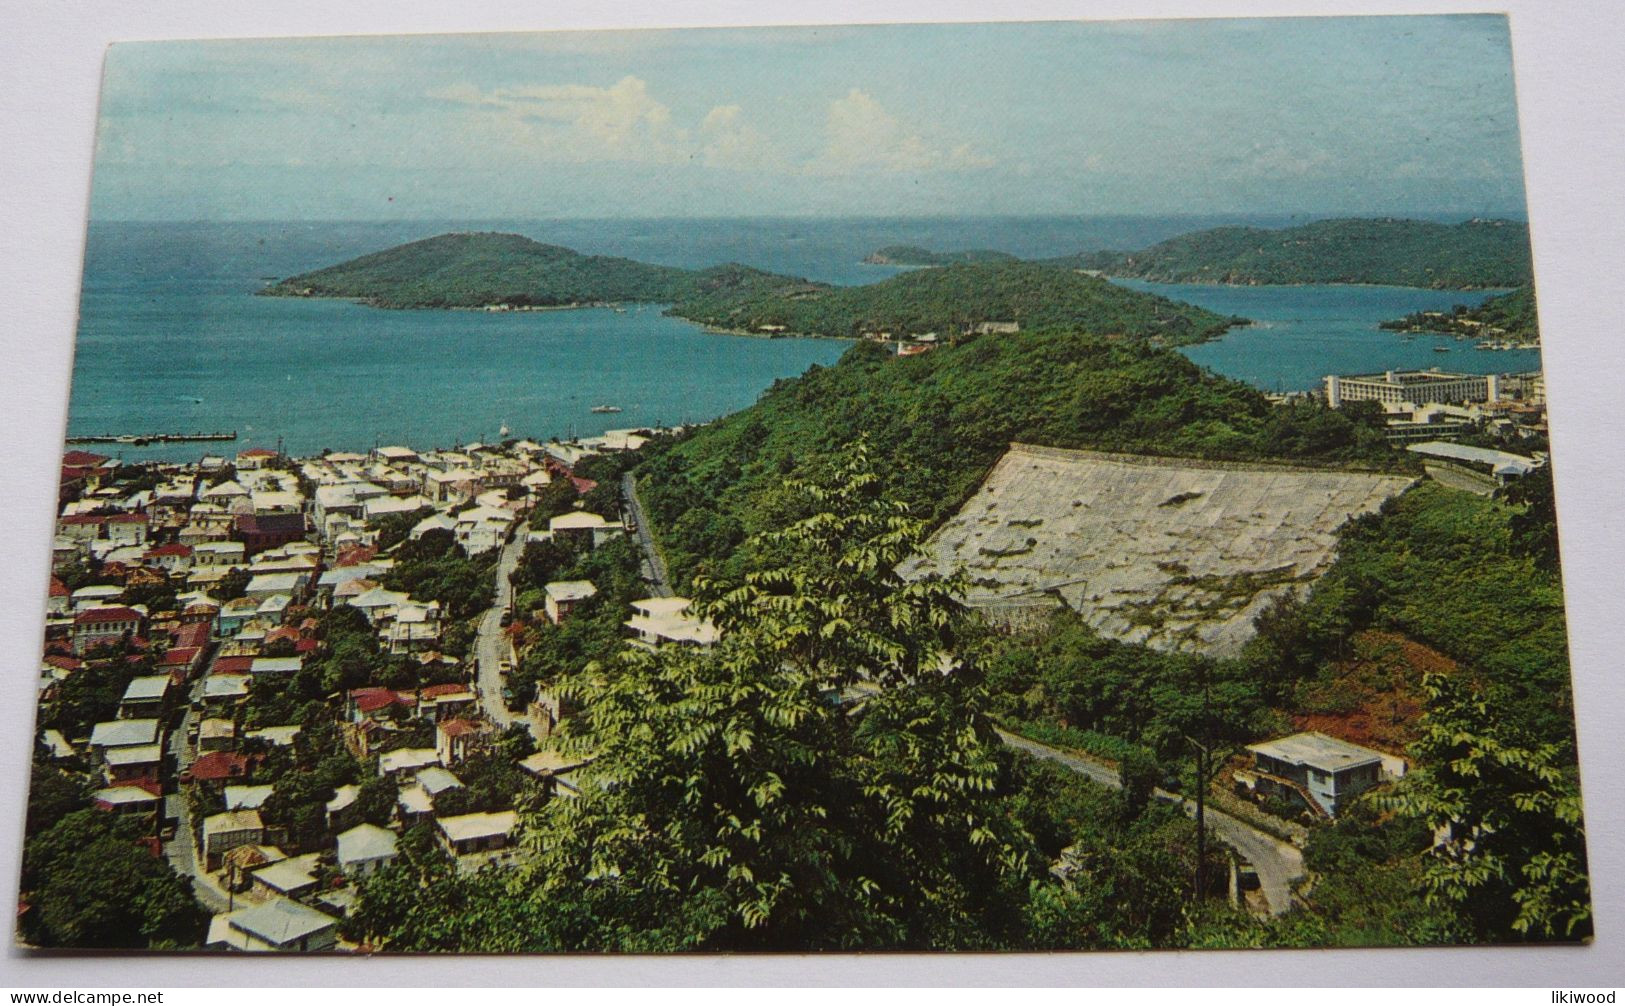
(949, 302)
(510, 271)
(1509, 316)
(1465, 256)
(915, 255)
(480, 270)
(937, 422)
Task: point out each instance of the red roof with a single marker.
(64, 663)
(355, 556)
(80, 518)
(435, 691)
(257, 452)
(179, 655)
(194, 634)
(372, 699)
(201, 608)
(82, 459)
(127, 518)
(97, 615)
(174, 548)
(306, 645)
(232, 665)
(220, 765)
(281, 632)
(459, 728)
(58, 588)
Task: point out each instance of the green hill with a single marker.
(1508, 316)
(938, 421)
(915, 255)
(482, 270)
(949, 301)
(477, 270)
(1470, 255)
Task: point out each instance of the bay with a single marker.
(171, 338)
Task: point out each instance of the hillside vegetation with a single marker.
(950, 300)
(1464, 256)
(938, 421)
(915, 255)
(1508, 316)
(475, 270)
(483, 270)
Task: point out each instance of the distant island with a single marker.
(1504, 321)
(489, 271)
(914, 255)
(1472, 255)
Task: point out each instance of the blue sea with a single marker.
(172, 339)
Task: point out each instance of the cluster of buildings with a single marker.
(1433, 404)
(211, 576)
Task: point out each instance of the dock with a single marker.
(143, 439)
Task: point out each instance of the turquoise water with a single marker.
(171, 338)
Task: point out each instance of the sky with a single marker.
(1369, 115)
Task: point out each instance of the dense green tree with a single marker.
(93, 885)
(1512, 859)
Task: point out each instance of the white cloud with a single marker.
(861, 135)
(625, 122)
(620, 122)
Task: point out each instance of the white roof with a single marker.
(276, 583)
(148, 686)
(289, 875)
(247, 797)
(60, 748)
(225, 686)
(436, 780)
(135, 754)
(365, 842)
(406, 758)
(277, 921)
(1316, 750)
(467, 826)
(415, 799)
(276, 665)
(123, 733)
(1482, 455)
(118, 795)
(281, 736)
(98, 590)
(550, 761)
(656, 606)
(577, 520)
(232, 820)
(571, 590)
(343, 796)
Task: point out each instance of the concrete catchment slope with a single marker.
(1173, 553)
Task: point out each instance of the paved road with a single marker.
(1279, 864)
(181, 851)
(654, 567)
(490, 645)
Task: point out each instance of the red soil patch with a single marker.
(1373, 698)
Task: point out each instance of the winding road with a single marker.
(1279, 864)
(654, 567)
(490, 645)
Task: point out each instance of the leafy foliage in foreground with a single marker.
(937, 422)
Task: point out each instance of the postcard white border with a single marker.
(1570, 94)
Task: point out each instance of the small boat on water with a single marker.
(1441, 349)
(606, 408)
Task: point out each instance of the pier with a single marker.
(143, 439)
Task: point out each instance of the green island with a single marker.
(915, 255)
(1506, 319)
(1393, 252)
(510, 272)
